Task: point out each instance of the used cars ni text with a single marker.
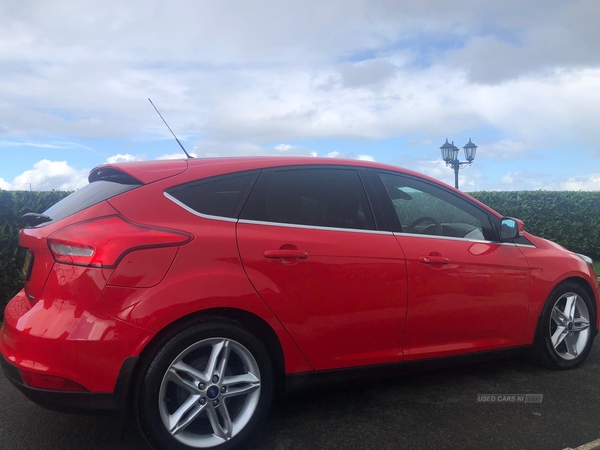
(191, 292)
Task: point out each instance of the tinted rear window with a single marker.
(333, 198)
(85, 197)
(219, 196)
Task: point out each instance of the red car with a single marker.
(191, 292)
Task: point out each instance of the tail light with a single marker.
(102, 242)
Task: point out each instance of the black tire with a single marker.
(544, 352)
(149, 401)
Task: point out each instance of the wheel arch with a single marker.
(542, 351)
(251, 322)
(585, 285)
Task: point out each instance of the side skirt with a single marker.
(348, 377)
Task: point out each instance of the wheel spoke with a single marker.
(185, 414)
(214, 422)
(558, 316)
(559, 335)
(220, 371)
(569, 311)
(228, 428)
(571, 343)
(183, 383)
(240, 384)
(213, 360)
(240, 379)
(190, 371)
(241, 390)
(580, 324)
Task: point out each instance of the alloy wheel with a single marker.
(209, 393)
(569, 326)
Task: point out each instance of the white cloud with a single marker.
(524, 180)
(336, 154)
(4, 184)
(582, 183)
(118, 158)
(510, 149)
(30, 144)
(47, 175)
(557, 35)
(271, 72)
(212, 149)
(510, 177)
(366, 73)
(178, 155)
(297, 70)
(58, 145)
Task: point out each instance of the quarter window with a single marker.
(220, 196)
(332, 198)
(422, 208)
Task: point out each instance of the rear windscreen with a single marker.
(85, 197)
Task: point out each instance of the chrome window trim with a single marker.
(275, 224)
(196, 213)
(348, 230)
(313, 227)
(450, 238)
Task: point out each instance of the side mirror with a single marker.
(510, 229)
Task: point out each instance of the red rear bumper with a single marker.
(63, 339)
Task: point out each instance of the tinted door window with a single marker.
(422, 208)
(317, 197)
(220, 196)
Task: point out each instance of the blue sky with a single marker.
(379, 79)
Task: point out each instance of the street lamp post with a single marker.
(450, 157)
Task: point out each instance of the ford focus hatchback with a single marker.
(189, 293)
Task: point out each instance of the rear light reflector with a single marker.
(71, 250)
(50, 382)
(102, 242)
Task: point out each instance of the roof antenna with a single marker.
(163, 119)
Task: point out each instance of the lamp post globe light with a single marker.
(450, 157)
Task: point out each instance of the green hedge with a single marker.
(13, 204)
(570, 218)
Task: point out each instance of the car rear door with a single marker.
(467, 292)
(311, 246)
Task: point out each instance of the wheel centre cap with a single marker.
(570, 326)
(212, 392)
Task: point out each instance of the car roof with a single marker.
(150, 171)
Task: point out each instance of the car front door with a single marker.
(310, 245)
(467, 292)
